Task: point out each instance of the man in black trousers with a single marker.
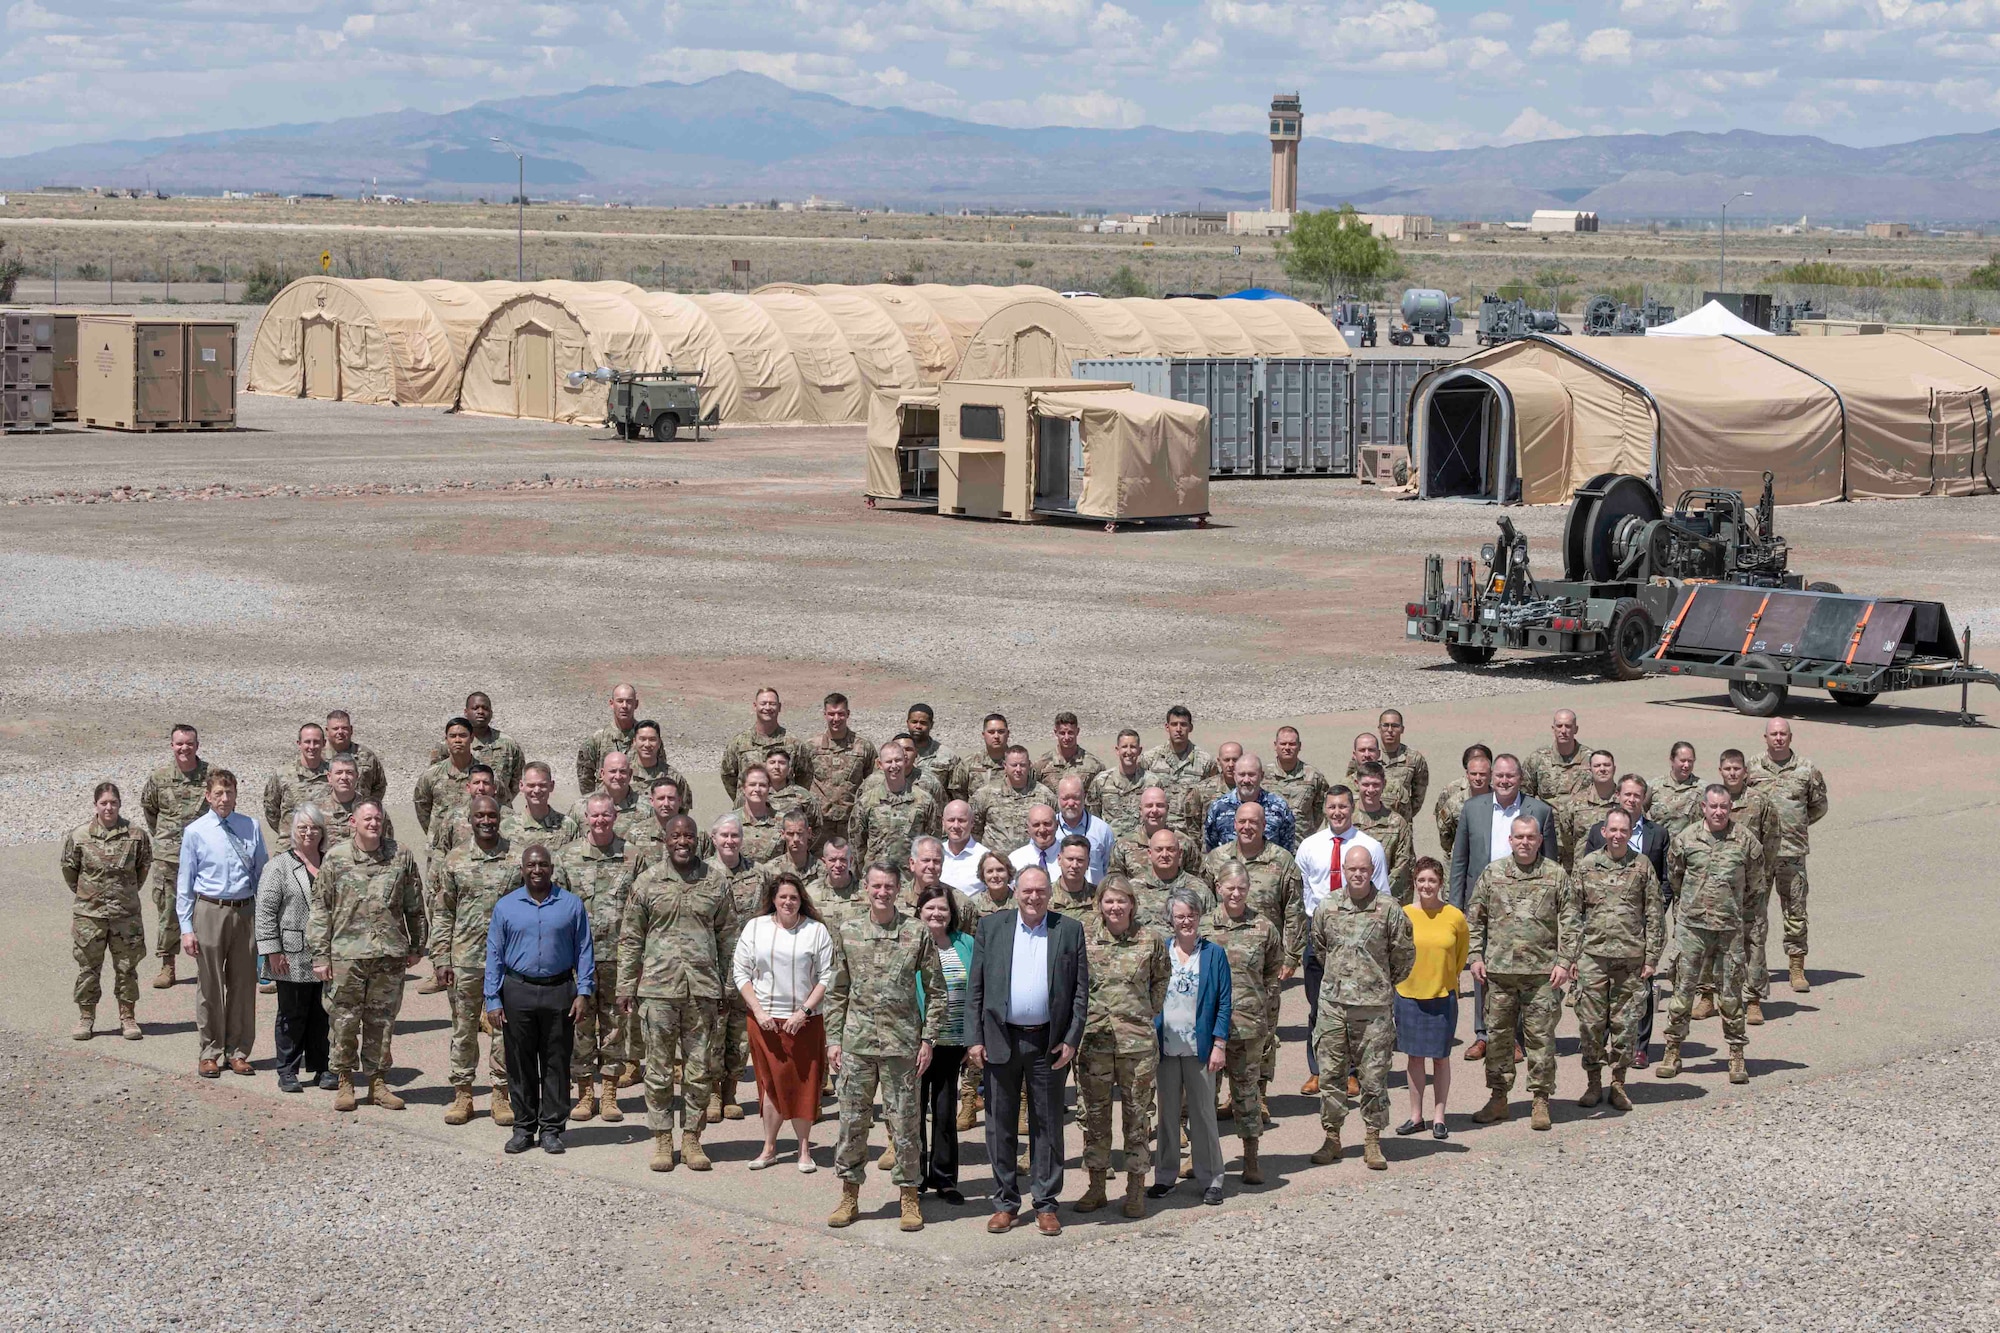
(1028, 996)
(539, 970)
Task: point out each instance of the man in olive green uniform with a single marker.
(305, 782)
(366, 925)
(1179, 766)
(1750, 809)
(471, 879)
(933, 758)
(1796, 790)
(490, 746)
(593, 868)
(973, 771)
(836, 893)
(730, 1043)
(1477, 761)
(1277, 894)
(1166, 871)
(1717, 865)
(1133, 852)
(671, 962)
(1561, 769)
(440, 789)
(649, 763)
(1303, 786)
(1256, 950)
(1121, 1049)
(1527, 927)
(537, 823)
(1363, 940)
(1388, 827)
(1578, 815)
(878, 1039)
(889, 817)
(1624, 931)
(1068, 758)
(765, 734)
(795, 850)
(1113, 795)
(453, 828)
(839, 761)
(638, 812)
(1408, 771)
(343, 780)
(104, 862)
(617, 737)
(173, 798)
(372, 780)
(1000, 808)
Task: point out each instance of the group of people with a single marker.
(954, 934)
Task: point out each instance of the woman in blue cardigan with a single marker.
(1194, 1041)
(937, 1107)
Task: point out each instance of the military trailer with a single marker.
(1425, 312)
(1355, 321)
(659, 403)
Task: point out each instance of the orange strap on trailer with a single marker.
(1854, 644)
(1751, 633)
(1674, 625)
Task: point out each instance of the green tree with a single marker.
(1126, 283)
(1553, 281)
(1337, 249)
(10, 274)
(1987, 275)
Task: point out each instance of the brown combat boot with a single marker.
(503, 1109)
(1495, 1111)
(692, 1155)
(1135, 1194)
(1670, 1061)
(128, 1022)
(1253, 1173)
(887, 1161)
(913, 1211)
(1799, 983)
(732, 1110)
(1616, 1094)
(343, 1096)
(1704, 1007)
(1310, 1088)
(586, 1101)
(431, 985)
(968, 1110)
(1738, 1072)
(1539, 1118)
(1593, 1091)
(631, 1076)
(1093, 1198)
(1371, 1152)
(86, 1023)
(849, 1208)
(460, 1110)
(1328, 1152)
(380, 1096)
(166, 979)
(713, 1115)
(1753, 1013)
(663, 1150)
(607, 1101)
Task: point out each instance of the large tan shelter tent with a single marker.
(1830, 419)
(369, 340)
(1042, 337)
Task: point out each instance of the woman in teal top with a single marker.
(937, 1130)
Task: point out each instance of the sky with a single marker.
(1399, 73)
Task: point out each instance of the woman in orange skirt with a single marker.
(784, 958)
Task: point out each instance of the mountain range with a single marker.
(743, 136)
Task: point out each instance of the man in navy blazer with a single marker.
(1475, 848)
(1026, 1000)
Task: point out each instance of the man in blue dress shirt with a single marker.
(222, 859)
(539, 970)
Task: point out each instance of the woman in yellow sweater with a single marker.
(1427, 1000)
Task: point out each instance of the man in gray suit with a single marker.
(1483, 827)
(1027, 998)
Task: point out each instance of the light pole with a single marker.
(520, 207)
(1722, 264)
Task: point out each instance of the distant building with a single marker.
(1287, 124)
(1562, 219)
(1888, 231)
(1264, 223)
(1401, 226)
(1189, 224)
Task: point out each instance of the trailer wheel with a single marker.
(1469, 654)
(1631, 635)
(666, 426)
(1853, 698)
(1444, 340)
(1825, 587)
(1753, 699)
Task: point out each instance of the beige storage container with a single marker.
(64, 383)
(155, 374)
(211, 375)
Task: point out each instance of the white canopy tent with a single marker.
(1711, 321)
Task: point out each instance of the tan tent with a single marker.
(1270, 331)
(902, 445)
(1039, 338)
(1144, 456)
(689, 340)
(1169, 328)
(933, 350)
(1222, 335)
(364, 340)
(1316, 333)
(881, 350)
(767, 376)
(829, 380)
(519, 364)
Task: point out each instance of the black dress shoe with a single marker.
(328, 1080)
(1212, 1196)
(952, 1196)
(523, 1140)
(288, 1082)
(1159, 1191)
(1409, 1127)
(552, 1142)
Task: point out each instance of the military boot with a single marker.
(607, 1101)
(968, 1110)
(1670, 1061)
(128, 1023)
(431, 985)
(1225, 1106)
(1495, 1111)
(631, 1075)
(1753, 1013)
(503, 1109)
(1704, 1007)
(1371, 1152)
(586, 1101)
(1616, 1094)
(1593, 1091)
(849, 1208)
(165, 981)
(460, 1110)
(1135, 1194)
(86, 1023)
(1738, 1072)
(663, 1150)
(913, 1211)
(1253, 1173)
(380, 1096)
(887, 1161)
(1539, 1118)
(1093, 1198)
(1799, 983)
(343, 1093)
(732, 1110)
(713, 1116)
(691, 1150)
(1328, 1152)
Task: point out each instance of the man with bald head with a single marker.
(1192, 817)
(471, 879)
(1369, 948)
(614, 779)
(1795, 789)
(1526, 919)
(1219, 821)
(1133, 852)
(962, 851)
(618, 736)
(1560, 770)
(1041, 848)
(1164, 872)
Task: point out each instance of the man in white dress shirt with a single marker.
(1319, 868)
(1042, 848)
(961, 850)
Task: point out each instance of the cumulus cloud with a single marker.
(1532, 126)
(1553, 39)
(1607, 46)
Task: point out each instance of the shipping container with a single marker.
(211, 374)
(1305, 417)
(64, 383)
(1270, 416)
(26, 409)
(1227, 387)
(1381, 392)
(155, 374)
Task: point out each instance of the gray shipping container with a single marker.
(1381, 390)
(1226, 386)
(1305, 417)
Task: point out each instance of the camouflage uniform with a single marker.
(747, 749)
(1000, 813)
(1553, 778)
(1131, 856)
(632, 820)
(872, 1016)
(286, 792)
(1624, 931)
(1449, 802)
(1405, 780)
(1751, 810)
(1366, 950)
(875, 784)
(643, 779)
(554, 830)
(1256, 961)
(761, 839)
(672, 960)
(469, 882)
(340, 820)
(599, 878)
(171, 800)
(1399, 847)
(1191, 815)
(371, 780)
(730, 1043)
(1150, 892)
(1177, 775)
(499, 752)
(979, 906)
(936, 761)
(440, 791)
(838, 770)
(1079, 904)
(972, 772)
(1523, 922)
(1675, 805)
(1114, 798)
(836, 905)
(1277, 894)
(1796, 790)
(793, 799)
(886, 823)
(1574, 820)
(367, 919)
(1304, 789)
(104, 869)
(1128, 984)
(591, 751)
(1052, 768)
(780, 863)
(1716, 873)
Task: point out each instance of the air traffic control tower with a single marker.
(1287, 121)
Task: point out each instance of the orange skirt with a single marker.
(791, 1070)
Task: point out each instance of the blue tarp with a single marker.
(1258, 294)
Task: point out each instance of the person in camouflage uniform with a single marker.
(1000, 808)
(756, 818)
(366, 925)
(1113, 795)
(649, 763)
(618, 737)
(1180, 766)
(795, 850)
(1796, 789)
(173, 798)
(671, 960)
(765, 734)
(1132, 853)
(1364, 942)
(1477, 761)
(1256, 950)
(453, 828)
(372, 778)
(1190, 810)
(1750, 809)
(933, 758)
(1128, 984)
(1068, 759)
(1718, 865)
(730, 1043)
(440, 789)
(593, 868)
(490, 746)
(343, 780)
(1409, 773)
(835, 893)
(1303, 786)
(1388, 827)
(920, 777)
(1072, 893)
(1579, 814)
(1277, 894)
(304, 783)
(839, 762)
(887, 818)
(1674, 801)
(1561, 769)
(788, 797)
(641, 815)
(1526, 924)
(537, 823)
(1166, 871)
(1624, 931)
(104, 862)
(878, 1040)
(470, 880)
(973, 771)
